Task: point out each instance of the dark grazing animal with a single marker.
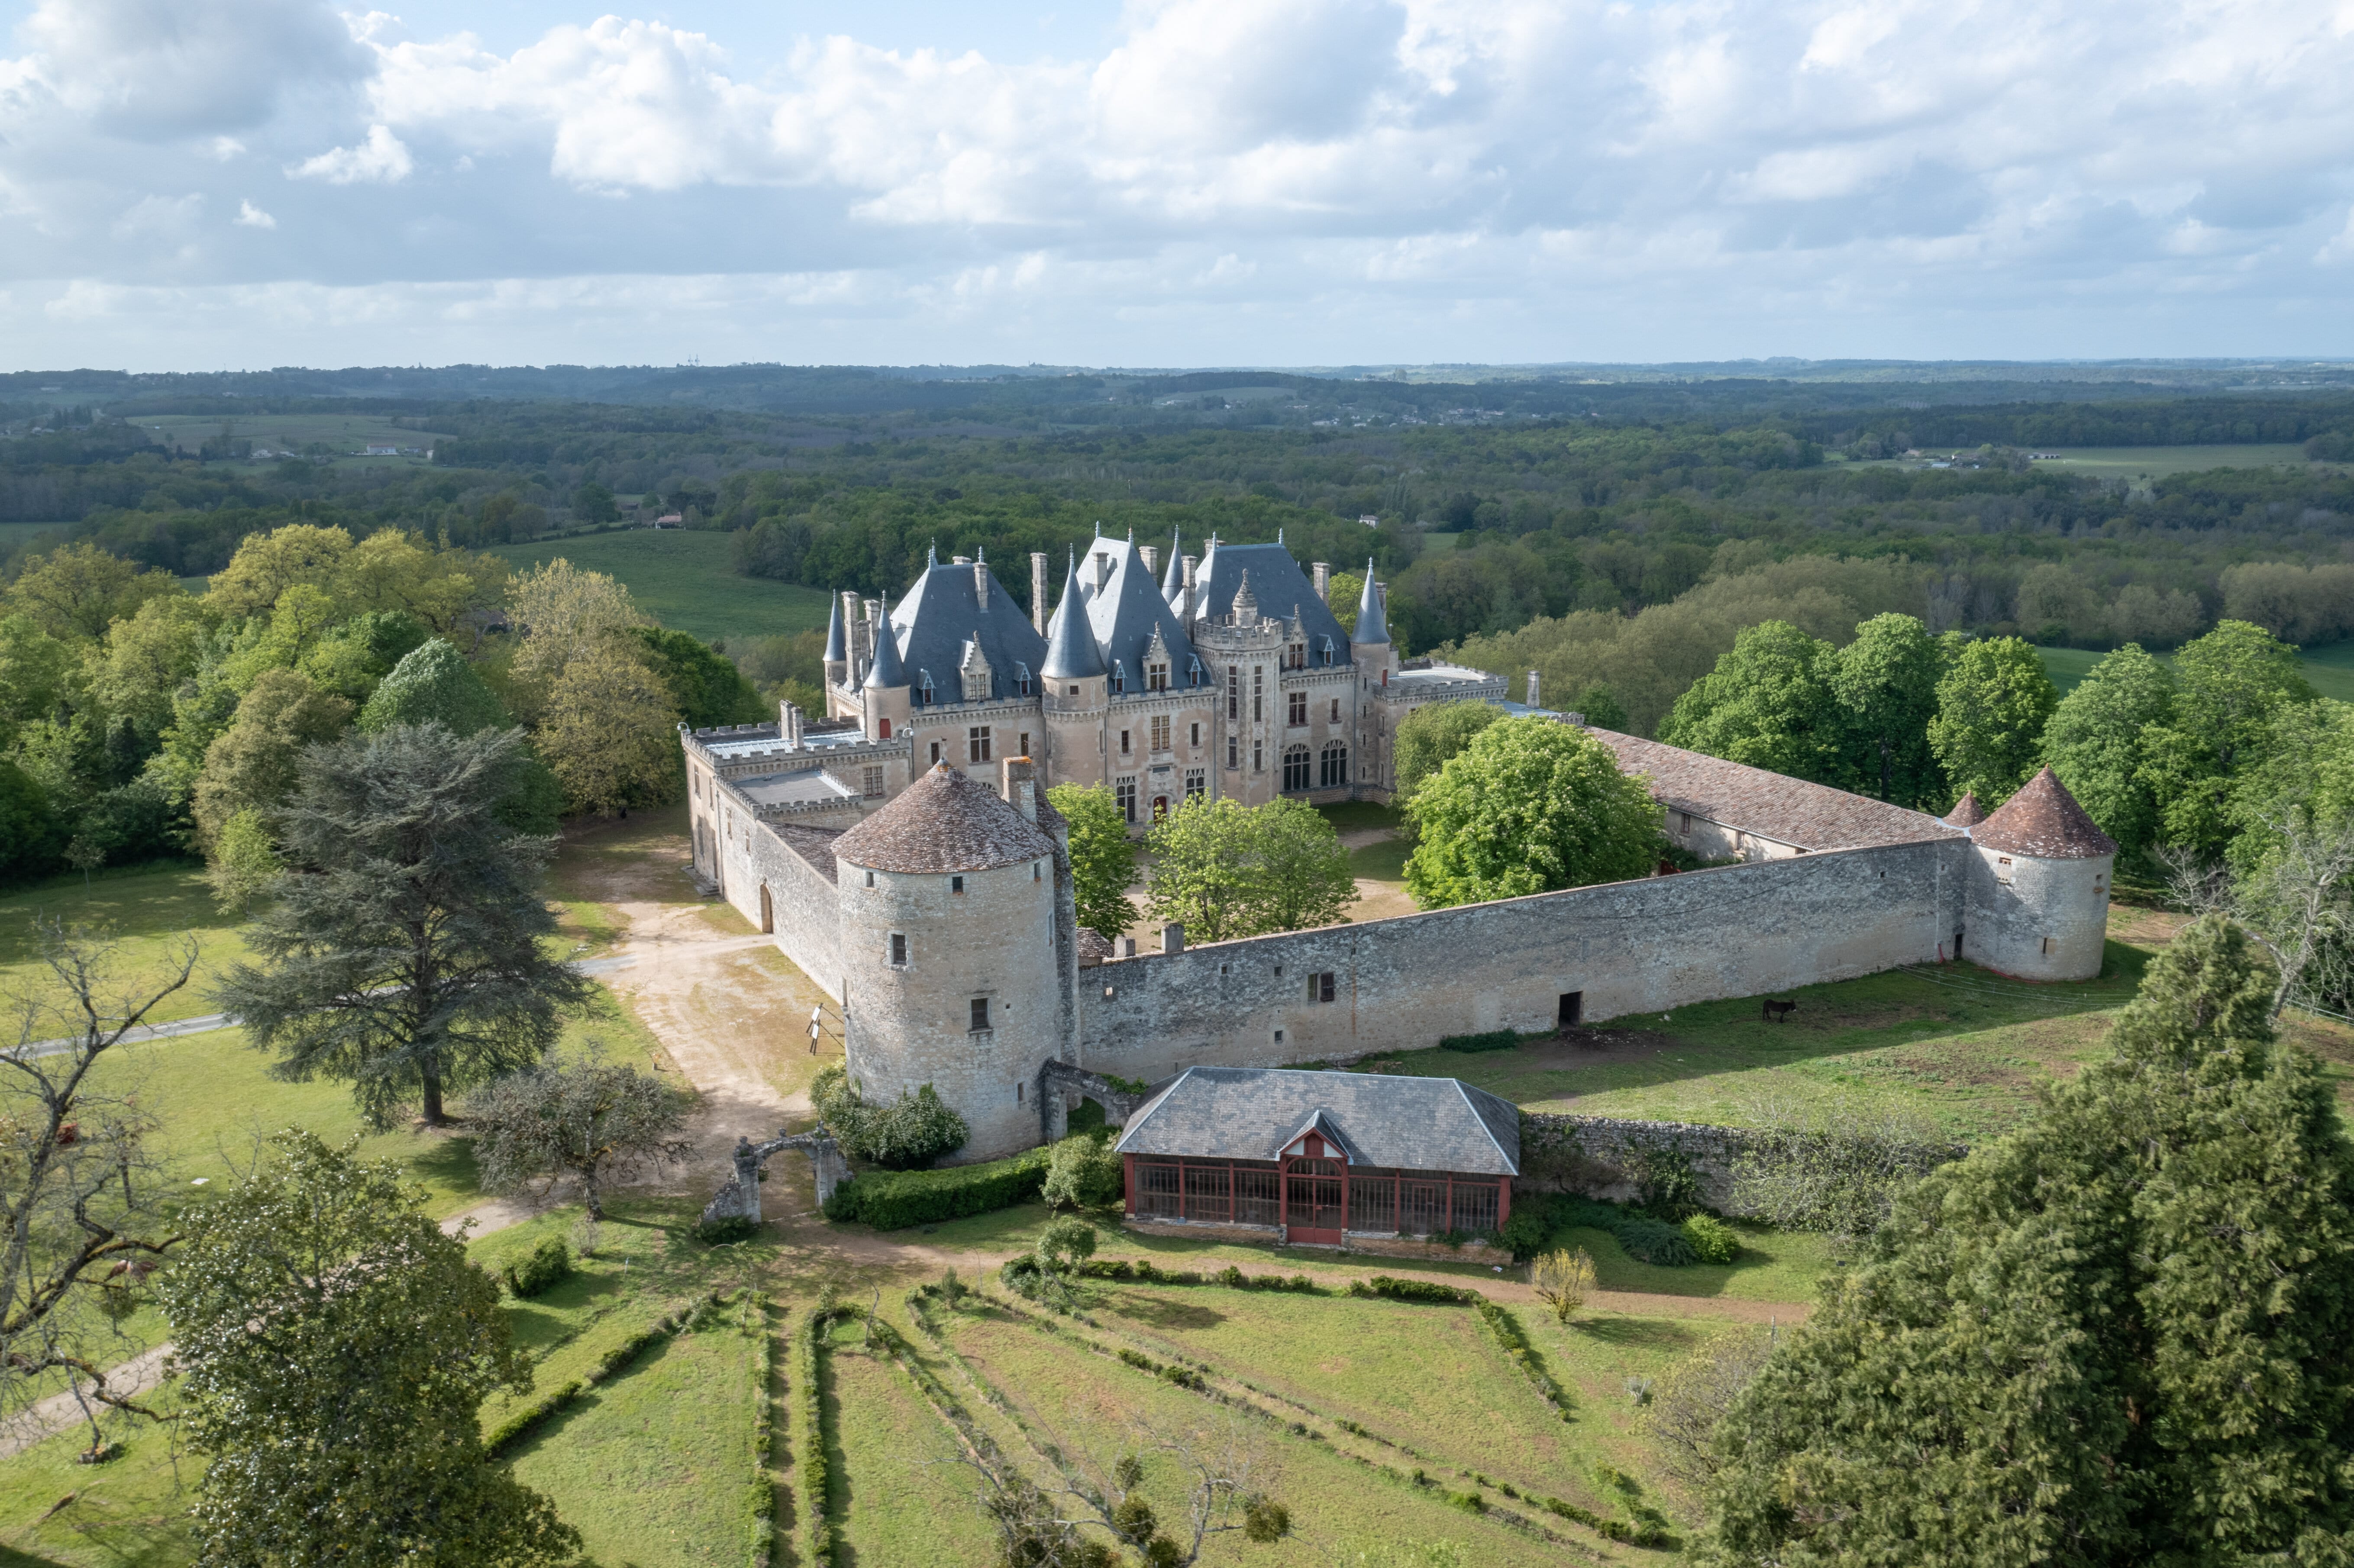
(1777, 1011)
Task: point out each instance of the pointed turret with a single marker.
(1373, 626)
(1173, 581)
(1071, 651)
(2044, 821)
(1965, 812)
(1245, 603)
(837, 647)
(886, 672)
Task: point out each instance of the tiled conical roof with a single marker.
(944, 821)
(1965, 812)
(2044, 821)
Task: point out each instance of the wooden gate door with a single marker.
(1313, 1208)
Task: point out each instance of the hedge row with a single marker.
(760, 1497)
(1493, 1040)
(1395, 1289)
(809, 1431)
(1507, 1329)
(507, 1432)
(894, 1200)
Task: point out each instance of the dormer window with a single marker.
(1193, 673)
(1118, 675)
(1022, 679)
(1328, 650)
(974, 673)
(925, 689)
(1156, 677)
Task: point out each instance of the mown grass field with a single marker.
(2330, 668)
(144, 910)
(346, 433)
(2159, 463)
(682, 577)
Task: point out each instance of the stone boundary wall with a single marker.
(802, 900)
(1062, 1087)
(1404, 983)
(1604, 1157)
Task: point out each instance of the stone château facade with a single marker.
(934, 906)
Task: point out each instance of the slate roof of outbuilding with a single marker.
(946, 821)
(1788, 811)
(941, 612)
(1394, 1122)
(1965, 812)
(2044, 821)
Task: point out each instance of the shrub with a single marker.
(892, 1201)
(1563, 1279)
(1526, 1234)
(810, 1430)
(1644, 1240)
(549, 1265)
(1083, 1173)
(1712, 1239)
(725, 1229)
(1395, 1289)
(1493, 1040)
(906, 1134)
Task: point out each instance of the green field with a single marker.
(682, 577)
(346, 434)
(14, 534)
(2158, 463)
(2330, 668)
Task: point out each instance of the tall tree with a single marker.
(405, 951)
(338, 1348)
(252, 766)
(1529, 806)
(2230, 684)
(2115, 1336)
(1431, 734)
(1103, 857)
(84, 1215)
(563, 614)
(705, 689)
(1885, 682)
(590, 1119)
(1992, 705)
(609, 733)
(2097, 742)
(76, 591)
(1768, 703)
(1224, 869)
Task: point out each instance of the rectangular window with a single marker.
(1160, 735)
(1258, 758)
(1209, 1192)
(980, 1015)
(1422, 1208)
(2002, 869)
(1195, 785)
(1156, 677)
(1234, 691)
(1321, 987)
(1123, 743)
(976, 743)
(1231, 743)
(1258, 693)
(1373, 1202)
(873, 784)
(936, 751)
(1025, 743)
(1197, 735)
(956, 884)
(898, 951)
(1157, 1191)
(1336, 710)
(1126, 789)
(2049, 944)
(1475, 1206)
(1299, 707)
(1258, 1198)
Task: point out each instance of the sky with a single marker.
(206, 185)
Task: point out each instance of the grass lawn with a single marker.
(682, 578)
(1382, 862)
(14, 534)
(2330, 668)
(1087, 1406)
(1349, 816)
(897, 1495)
(145, 909)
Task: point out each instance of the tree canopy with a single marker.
(1992, 704)
(1103, 857)
(1529, 806)
(1885, 684)
(2098, 741)
(1767, 704)
(2115, 1336)
(1429, 736)
(1225, 870)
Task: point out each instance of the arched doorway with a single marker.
(1314, 1208)
(1160, 807)
(768, 911)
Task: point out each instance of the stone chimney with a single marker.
(1103, 570)
(1193, 584)
(1533, 690)
(789, 724)
(1038, 592)
(1127, 946)
(1322, 573)
(1020, 786)
(1151, 553)
(980, 584)
(1172, 937)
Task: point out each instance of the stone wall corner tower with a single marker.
(2040, 872)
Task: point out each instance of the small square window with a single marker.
(956, 884)
(898, 951)
(1279, 1036)
(980, 1015)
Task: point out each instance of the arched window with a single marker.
(1336, 764)
(1295, 768)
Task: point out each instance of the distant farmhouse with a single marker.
(902, 854)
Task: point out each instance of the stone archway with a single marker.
(768, 911)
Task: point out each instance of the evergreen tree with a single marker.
(1992, 705)
(2115, 1336)
(435, 684)
(338, 1348)
(403, 952)
(1529, 806)
(2097, 743)
(1885, 682)
(1768, 703)
(1103, 857)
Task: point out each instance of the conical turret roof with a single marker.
(886, 671)
(1965, 812)
(1173, 581)
(1071, 651)
(944, 821)
(2044, 821)
(1371, 625)
(837, 642)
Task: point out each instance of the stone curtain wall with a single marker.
(1632, 947)
(1605, 1157)
(808, 913)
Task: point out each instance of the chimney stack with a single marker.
(1038, 592)
(980, 584)
(789, 724)
(1020, 786)
(1533, 690)
(1323, 574)
(1151, 553)
(1192, 578)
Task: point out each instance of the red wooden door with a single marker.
(1313, 1205)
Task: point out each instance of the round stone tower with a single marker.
(2038, 888)
(952, 950)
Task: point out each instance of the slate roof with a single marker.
(886, 671)
(945, 821)
(1788, 811)
(1071, 651)
(1279, 584)
(1372, 625)
(942, 613)
(1396, 1122)
(1965, 812)
(2044, 821)
(837, 645)
(1173, 581)
(815, 845)
(1127, 610)
(800, 787)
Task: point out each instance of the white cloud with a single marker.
(155, 70)
(252, 217)
(381, 159)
